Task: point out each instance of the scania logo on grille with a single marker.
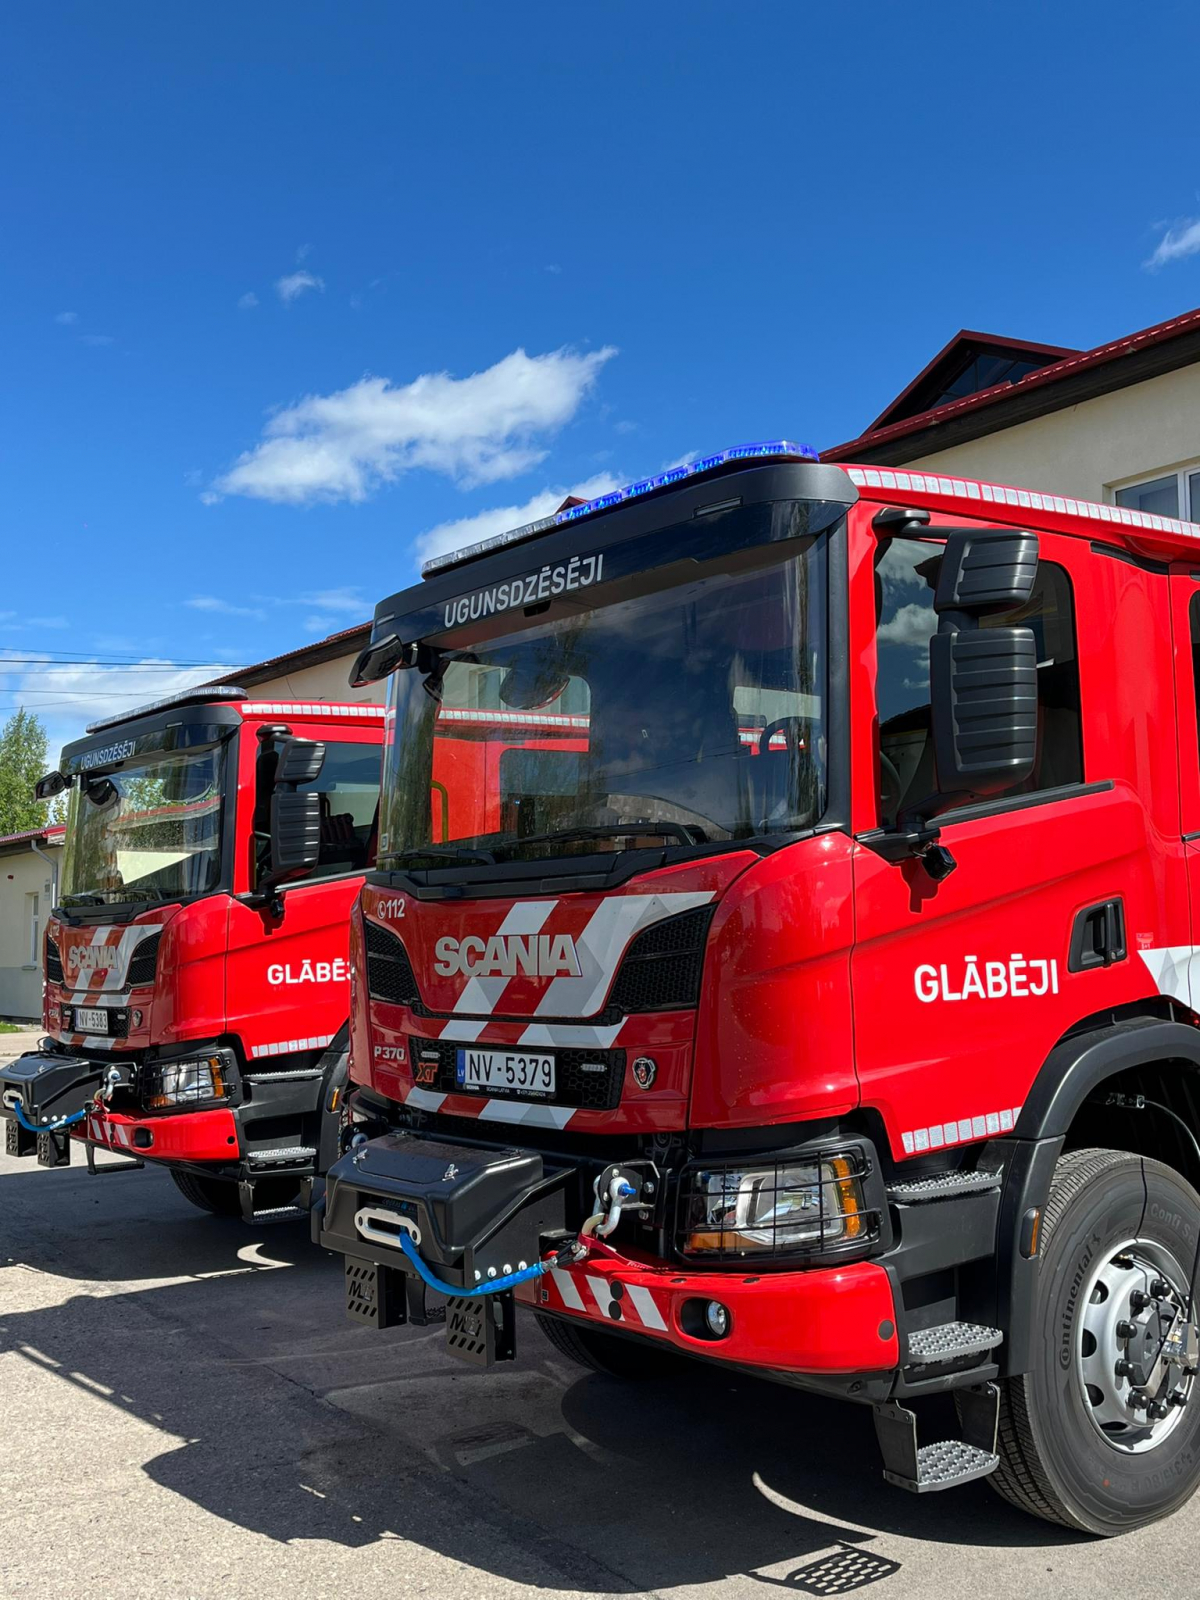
(90, 957)
(507, 955)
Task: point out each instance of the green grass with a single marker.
(10, 1027)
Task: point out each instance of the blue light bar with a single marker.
(773, 449)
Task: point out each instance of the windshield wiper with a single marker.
(666, 830)
(445, 852)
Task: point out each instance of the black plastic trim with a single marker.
(1078, 1065)
(1159, 568)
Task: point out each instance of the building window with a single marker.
(1172, 494)
(33, 929)
(906, 573)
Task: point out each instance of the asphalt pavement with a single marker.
(186, 1411)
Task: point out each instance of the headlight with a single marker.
(776, 1209)
(177, 1083)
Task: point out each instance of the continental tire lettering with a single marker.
(1018, 978)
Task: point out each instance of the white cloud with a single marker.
(320, 626)
(469, 530)
(248, 301)
(1180, 240)
(66, 318)
(297, 283)
(97, 339)
(208, 602)
(303, 251)
(479, 429)
(349, 602)
(69, 696)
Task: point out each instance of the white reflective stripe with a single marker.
(528, 1116)
(480, 995)
(565, 1285)
(120, 1134)
(464, 1032)
(283, 1047)
(604, 941)
(601, 1292)
(570, 1035)
(643, 1302)
(1171, 967)
(425, 1099)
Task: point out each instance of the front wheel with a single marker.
(609, 1353)
(219, 1196)
(1103, 1433)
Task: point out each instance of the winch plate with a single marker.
(479, 1329)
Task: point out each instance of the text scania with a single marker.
(309, 972)
(578, 573)
(1018, 978)
(537, 955)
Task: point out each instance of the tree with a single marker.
(22, 763)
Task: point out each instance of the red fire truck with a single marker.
(197, 985)
(862, 1053)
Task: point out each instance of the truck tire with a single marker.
(609, 1353)
(220, 1197)
(1071, 1448)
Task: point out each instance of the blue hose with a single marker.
(47, 1127)
(493, 1285)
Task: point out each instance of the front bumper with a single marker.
(475, 1213)
(178, 1136)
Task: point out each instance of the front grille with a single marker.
(54, 966)
(389, 972)
(575, 1085)
(144, 963)
(663, 966)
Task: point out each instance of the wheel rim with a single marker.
(1137, 1351)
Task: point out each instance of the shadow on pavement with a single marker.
(682, 1482)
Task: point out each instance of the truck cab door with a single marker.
(1185, 629)
(963, 986)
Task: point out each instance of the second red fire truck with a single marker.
(827, 1006)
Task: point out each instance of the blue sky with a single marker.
(288, 288)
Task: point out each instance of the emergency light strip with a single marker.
(999, 495)
(772, 449)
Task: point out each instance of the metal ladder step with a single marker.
(284, 1156)
(942, 1186)
(951, 1341)
(945, 1465)
(948, 1462)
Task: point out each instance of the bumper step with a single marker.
(942, 1186)
(287, 1156)
(951, 1341)
(927, 1469)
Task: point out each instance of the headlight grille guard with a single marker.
(841, 1232)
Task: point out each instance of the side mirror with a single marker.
(300, 761)
(295, 833)
(983, 688)
(295, 817)
(982, 681)
(53, 783)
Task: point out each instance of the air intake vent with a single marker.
(663, 966)
(145, 961)
(389, 971)
(54, 967)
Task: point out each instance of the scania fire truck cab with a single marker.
(829, 1008)
(197, 987)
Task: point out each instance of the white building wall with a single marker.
(325, 682)
(1090, 449)
(26, 894)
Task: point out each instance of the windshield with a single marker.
(692, 714)
(149, 831)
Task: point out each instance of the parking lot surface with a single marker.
(187, 1412)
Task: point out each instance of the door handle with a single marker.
(1098, 936)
